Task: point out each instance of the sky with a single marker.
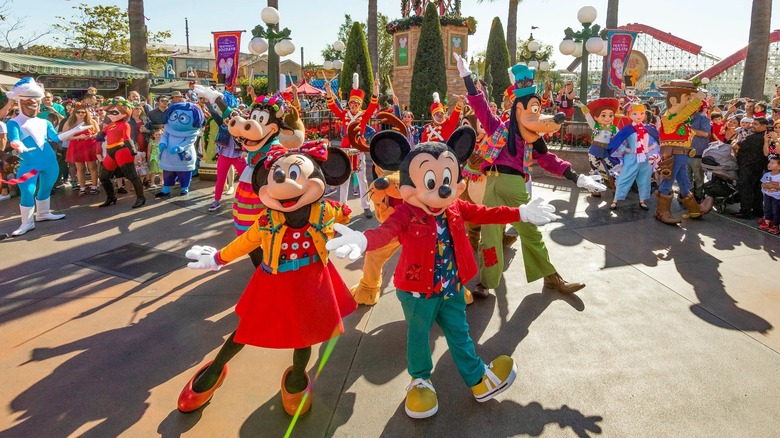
(720, 27)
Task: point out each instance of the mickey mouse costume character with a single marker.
(436, 259)
(296, 298)
(29, 136)
(508, 157)
(118, 151)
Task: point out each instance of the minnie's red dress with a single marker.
(294, 308)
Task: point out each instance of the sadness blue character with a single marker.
(177, 146)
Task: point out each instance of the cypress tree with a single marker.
(429, 74)
(489, 80)
(497, 57)
(356, 60)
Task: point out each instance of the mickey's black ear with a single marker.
(462, 142)
(337, 168)
(259, 176)
(388, 149)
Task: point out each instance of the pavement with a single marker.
(674, 334)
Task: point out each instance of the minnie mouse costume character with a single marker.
(436, 259)
(296, 298)
(118, 151)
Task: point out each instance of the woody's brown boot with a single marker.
(694, 211)
(662, 212)
(554, 281)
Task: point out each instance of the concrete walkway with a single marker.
(673, 336)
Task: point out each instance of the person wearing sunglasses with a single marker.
(82, 150)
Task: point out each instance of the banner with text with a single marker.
(619, 45)
(227, 46)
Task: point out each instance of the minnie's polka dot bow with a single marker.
(316, 149)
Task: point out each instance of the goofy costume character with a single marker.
(29, 136)
(436, 259)
(507, 165)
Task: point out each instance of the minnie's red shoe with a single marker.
(290, 402)
(189, 400)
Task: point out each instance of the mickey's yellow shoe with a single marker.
(421, 401)
(499, 376)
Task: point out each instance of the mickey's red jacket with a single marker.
(416, 231)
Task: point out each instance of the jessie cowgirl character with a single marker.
(436, 259)
(511, 149)
(118, 151)
(354, 116)
(296, 298)
(682, 101)
(600, 115)
(29, 135)
(442, 126)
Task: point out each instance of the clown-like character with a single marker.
(354, 115)
(178, 156)
(508, 156)
(119, 151)
(600, 115)
(635, 143)
(442, 126)
(29, 136)
(682, 101)
(296, 298)
(436, 260)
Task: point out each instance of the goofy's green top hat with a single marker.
(523, 80)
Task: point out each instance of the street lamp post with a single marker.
(277, 43)
(336, 64)
(583, 42)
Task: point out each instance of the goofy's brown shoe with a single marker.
(554, 281)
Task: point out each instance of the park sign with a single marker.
(619, 45)
(226, 46)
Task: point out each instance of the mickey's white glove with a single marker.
(591, 183)
(463, 69)
(204, 258)
(20, 147)
(209, 93)
(71, 132)
(538, 212)
(351, 243)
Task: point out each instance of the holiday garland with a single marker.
(447, 20)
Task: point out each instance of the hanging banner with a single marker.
(227, 47)
(619, 45)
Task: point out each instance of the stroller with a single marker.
(718, 160)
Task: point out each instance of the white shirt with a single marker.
(773, 178)
(3, 129)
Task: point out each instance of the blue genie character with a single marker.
(177, 146)
(29, 136)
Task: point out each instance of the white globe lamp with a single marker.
(604, 49)
(534, 46)
(567, 46)
(284, 47)
(544, 66)
(594, 44)
(587, 15)
(258, 46)
(577, 49)
(337, 64)
(270, 16)
(328, 65)
(533, 64)
(339, 46)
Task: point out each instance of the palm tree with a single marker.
(373, 35)
(138, 42)
(511, 29)
(612, 23)
(758, 50)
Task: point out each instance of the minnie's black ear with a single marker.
(388, 149)
(337, 168)
(462, 142)
(259, 176)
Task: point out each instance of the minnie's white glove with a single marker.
(463, 69)
(351, 243)
(204, 258)
(207, 92)
(591, 183)
(538, 212)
